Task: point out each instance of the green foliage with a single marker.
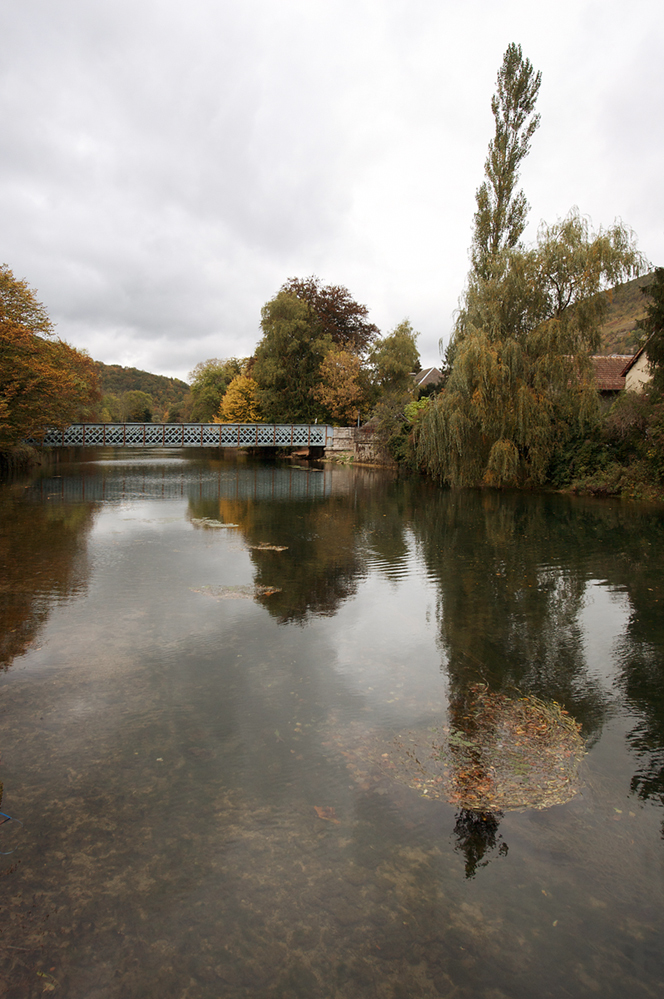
(288, 360)
(564, 277)
(501, 211)
(416, 408)
(579, 456)
(136, 407)
(111, 410)
(634, 429)
(521, 380)
(622, 455)
(394, 358)
(130, 407)
(393, 429)
(209, 381)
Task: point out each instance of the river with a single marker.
(239, 730)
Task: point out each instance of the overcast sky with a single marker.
(166, 166)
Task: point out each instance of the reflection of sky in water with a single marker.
(603, 619)
(202, 783)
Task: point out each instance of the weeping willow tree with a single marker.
(522, 377)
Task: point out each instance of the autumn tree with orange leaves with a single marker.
(44, 382)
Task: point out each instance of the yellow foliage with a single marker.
(240, 403)
(339, 390)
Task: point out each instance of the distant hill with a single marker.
(628, 305)
(165, 392)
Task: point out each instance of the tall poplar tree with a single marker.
(521, 377)
(501, 210)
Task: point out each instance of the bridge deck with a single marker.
(189, 435)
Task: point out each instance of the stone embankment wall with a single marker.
(356, 444)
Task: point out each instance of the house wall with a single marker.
(638, 375)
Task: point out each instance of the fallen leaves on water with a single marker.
(502, 753)
(327, 814)
(515, 752)
(209, 522)
(236, 592)
(269, 548)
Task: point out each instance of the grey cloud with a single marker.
(165, 167)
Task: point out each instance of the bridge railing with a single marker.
(189, 435)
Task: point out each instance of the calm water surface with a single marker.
(207, 739)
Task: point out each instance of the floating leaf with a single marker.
(327, 814)
(236, 592)
(209, 522)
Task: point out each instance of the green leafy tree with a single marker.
(111, 408)
(394, 358)
(652, 326)
(522, 378)
(288, 360)
(136, 407)
(338, 315)
(209, 381)
(501, 212)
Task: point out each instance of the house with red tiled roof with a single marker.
(609, 373)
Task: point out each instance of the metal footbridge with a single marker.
(234, 435)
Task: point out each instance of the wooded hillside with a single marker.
(165, 392)
(628, 305)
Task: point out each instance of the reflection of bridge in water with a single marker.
(242, 435)
(101, 482)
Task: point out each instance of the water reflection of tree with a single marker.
(476, 835)
(329, 547)
(641, 651)
(320, 565)
(512, 572)
(512, 577)
(43, 555)
(510, 592)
